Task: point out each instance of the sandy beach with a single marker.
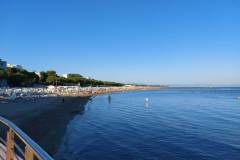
(44, 120)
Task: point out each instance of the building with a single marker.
(3, 64)
(15, 66)
(38, 74)
(65, 75)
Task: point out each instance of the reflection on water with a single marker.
(178, 124)
(146, 104)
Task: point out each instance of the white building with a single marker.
(3, 64)
(38, 74)
(65, 75)
(15, 66)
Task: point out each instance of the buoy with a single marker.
(146, 102)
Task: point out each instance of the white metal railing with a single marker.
(9, 146)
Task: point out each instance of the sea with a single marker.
(163, 124)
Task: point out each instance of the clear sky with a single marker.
(142, 41)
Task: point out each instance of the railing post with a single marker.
(10, 145)
(28, 153)
(32, 150)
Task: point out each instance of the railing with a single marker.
(16, 145)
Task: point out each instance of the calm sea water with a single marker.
(176, 124)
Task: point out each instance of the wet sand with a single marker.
(44, 120)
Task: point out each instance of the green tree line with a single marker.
(19, 78)
(16, 77)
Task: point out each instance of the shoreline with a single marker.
(45, 119)
(11, 94)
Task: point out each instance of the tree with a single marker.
(51, 73)
(74, 75)
(16, 80)
(3, 74)
(32, 78)
(62, 80)
(19, 78)
(43, 77)
(51, 79)
(107, 83)
(75, 78)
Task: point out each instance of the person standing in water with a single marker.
(109, 99)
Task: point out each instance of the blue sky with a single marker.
(143, 41)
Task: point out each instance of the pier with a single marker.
(16, 145)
